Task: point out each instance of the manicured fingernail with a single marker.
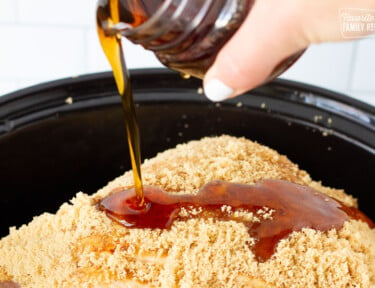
(216, 90)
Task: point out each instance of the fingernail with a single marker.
(216, 90)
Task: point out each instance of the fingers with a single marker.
(255, 50)
(273, 31)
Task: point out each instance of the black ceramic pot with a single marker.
(67, 136)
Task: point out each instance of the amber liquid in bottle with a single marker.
(108, 14)
(185, 36)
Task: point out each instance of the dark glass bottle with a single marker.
(185, 35)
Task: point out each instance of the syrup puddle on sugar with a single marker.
(293, 208)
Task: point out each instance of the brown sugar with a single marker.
(80, 247)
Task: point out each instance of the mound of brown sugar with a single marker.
(80, 247)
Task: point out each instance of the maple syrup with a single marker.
(108, 13)
(185, 35)
(292, 207)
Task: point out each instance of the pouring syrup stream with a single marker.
(107, 16)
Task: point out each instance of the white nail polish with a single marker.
(216, 90)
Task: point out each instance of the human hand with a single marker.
(273, 31)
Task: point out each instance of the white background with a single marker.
(44, 40)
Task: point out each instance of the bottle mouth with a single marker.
(167, 9)
(167, 26)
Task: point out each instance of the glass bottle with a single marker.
(185, 35)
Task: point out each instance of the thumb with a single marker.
(253, 52)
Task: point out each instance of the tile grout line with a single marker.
(17, 11)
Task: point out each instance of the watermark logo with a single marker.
(356, 23)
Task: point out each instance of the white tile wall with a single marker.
(364, 68)
(34, 53)
(8, 11)
(52, 12)
(8, 85)
(327, 65)
(43, 40)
